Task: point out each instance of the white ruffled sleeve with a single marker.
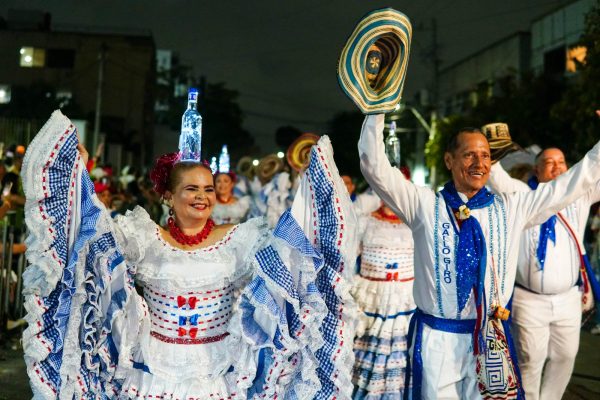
(78, 287)
(297, 309)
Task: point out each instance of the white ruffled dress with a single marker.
(233, 213)
(383, 291)
(261, 314)
(189, 341)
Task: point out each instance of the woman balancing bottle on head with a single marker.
(228, 311)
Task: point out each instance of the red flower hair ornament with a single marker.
(159, 174)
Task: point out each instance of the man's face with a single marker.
(550, 164)
(470, 163)
(349, 184)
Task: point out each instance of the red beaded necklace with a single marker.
(227, 201)
(387, 217)
(189, 240)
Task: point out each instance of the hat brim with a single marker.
(299, 151)
(392, 32)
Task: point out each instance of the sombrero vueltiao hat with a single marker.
(298, 152)
(372, 66)
(268, 166)
(498, 137)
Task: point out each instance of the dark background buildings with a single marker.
(275, 63)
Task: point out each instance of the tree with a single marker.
(222, 117)
(222, 120)
(581, 99)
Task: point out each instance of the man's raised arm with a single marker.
(501, 182)
(388, 182)
(551, 197)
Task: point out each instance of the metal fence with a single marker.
(18, 130)
(12, 266)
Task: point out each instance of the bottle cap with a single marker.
(192, 94)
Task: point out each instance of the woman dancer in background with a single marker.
(383, 292)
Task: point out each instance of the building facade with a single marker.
(113, 68)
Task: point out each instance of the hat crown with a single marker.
(372, 66)
(496, 130)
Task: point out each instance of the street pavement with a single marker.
(584, 385)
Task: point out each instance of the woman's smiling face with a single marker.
(193, 196)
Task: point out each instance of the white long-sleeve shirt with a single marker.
(561, 268)
(434, 226)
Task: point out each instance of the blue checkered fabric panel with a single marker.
(274, 268)
(96, 378)
(328, 222)
(288, 229)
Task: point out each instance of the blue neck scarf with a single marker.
(546, 230)
(471, 252)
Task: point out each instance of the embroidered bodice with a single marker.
(387, 251)
(233, 213)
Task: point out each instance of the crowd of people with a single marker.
(194, 283)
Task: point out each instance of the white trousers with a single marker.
(448, 366)
(546, 328)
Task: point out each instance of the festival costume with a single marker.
(366, 203)
(384, 294)
(275, 197)
(231, 213)
(443, 363)
(255, 315)
(546, 305)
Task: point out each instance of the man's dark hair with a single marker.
(452, 143)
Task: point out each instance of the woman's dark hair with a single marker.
(166, 172)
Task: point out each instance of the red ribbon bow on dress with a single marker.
(391, 276)
(181, 301)
(192, 332)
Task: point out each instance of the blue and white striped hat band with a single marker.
(372, 66)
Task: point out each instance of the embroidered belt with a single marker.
(415, 332)
(181, 340)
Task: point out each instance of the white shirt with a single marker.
(561, 268)
(502, 223)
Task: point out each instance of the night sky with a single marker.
(281, 55)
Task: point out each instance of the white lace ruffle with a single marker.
(384, 299)
(200, 371)
(45, 270)
(148, 251)
(231, 213)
